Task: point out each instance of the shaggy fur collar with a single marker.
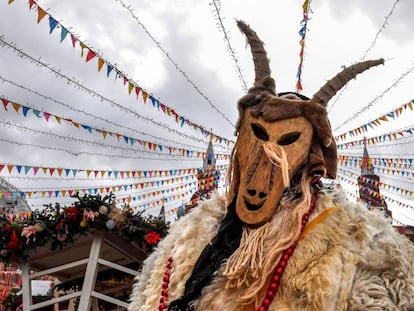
(352, 260)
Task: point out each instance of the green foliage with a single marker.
(20, 234)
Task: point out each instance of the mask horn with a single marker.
(261, 62)
(336, 83)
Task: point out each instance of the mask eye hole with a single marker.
(288, 139)
(260, 132)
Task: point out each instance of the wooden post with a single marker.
(91, 272)
(26, 287)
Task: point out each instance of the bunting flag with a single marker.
(118, 190)
(302, 34)
(131, 85)
(154, 147)
(348, 181)
(408, 132)
(94, 173)
(388, 164)
(398, 190)
(394, 114)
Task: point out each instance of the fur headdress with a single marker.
(265, 102)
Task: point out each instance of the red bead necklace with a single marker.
(277, 274)
(165, 282)
(281, 266)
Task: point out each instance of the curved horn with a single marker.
(261, 62)
(336, 83)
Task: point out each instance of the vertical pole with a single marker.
(26, 287)
(94, 306)
(91, 272)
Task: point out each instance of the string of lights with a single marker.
(102, 133)
(220, 25)
(376, 99)
(177, 67)
(380, 30)
(94, 116)
(78, 85)
(374, 41)
(124, 186)
(85, 153)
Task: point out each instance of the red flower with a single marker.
(14, 243)
(152, 238)
(71, 213)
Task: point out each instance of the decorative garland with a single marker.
(154, 147)
(302, 34)
(394, 114)
(130, 83)
(22, 233)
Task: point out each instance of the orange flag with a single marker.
(40, 14)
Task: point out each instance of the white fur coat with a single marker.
(352, 260)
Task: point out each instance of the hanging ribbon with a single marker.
(302, 34)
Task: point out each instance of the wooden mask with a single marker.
(268, 154)
(279, 135)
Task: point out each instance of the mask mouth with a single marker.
(252, 207)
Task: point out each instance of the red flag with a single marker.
(91, 54)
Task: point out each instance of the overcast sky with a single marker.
(176, 52)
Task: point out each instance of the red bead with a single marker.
(280, 268)
(162, 306)
(164, 292)
(273, 286)
(169, 265)
(166, 278)
(266, 303)
(170, 259)
(270, 293)
(165, 285)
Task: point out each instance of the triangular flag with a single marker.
(63, 33)
(73, 39)
(83, 46)
(137, 90)
(100, 63)
(91, 54)
(16, 107)
(40, 14)
(5, 103)
(108, 70)
(144, 96)
(130, 88)
(52, 24)
(25, 110)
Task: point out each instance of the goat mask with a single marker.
(278, 135)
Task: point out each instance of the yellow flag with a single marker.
(130, 88)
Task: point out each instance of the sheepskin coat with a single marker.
(351, 260)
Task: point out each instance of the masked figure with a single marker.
(279, 240)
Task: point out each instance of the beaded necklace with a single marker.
(277, 273)
(165, 282)
(281, 266)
